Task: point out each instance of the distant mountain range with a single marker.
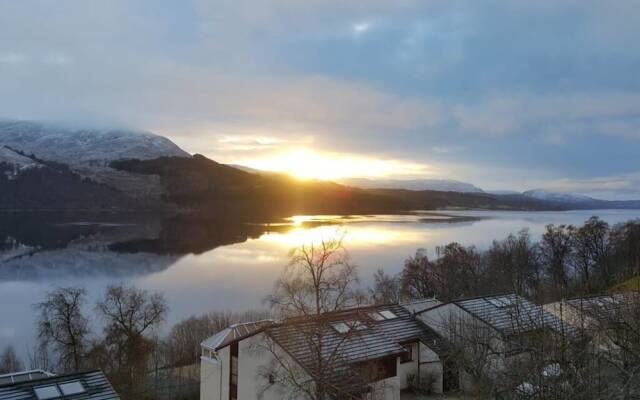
(55, 168)
(441, 185)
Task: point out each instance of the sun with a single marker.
(310, 164)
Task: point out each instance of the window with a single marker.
(501, 302)
(341, 327)
(69, 388)
(347, 326)
(388, 314)
(376, 316)
(233, 378)
(407, 356)
(47, 392)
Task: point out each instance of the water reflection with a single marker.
(213, 264)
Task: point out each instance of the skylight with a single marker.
(69, 388)
(388, 314)
(47, 392)
(347, 326)
(376, 316)
(341, 327)
(501, 302)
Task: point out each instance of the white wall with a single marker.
(253, 360)
(210, 371)
(214, 376)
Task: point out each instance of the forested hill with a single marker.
(198, 183)
(48, 167)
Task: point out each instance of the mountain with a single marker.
(13, 163)
(27, 182)
(577, 201)
(84, 147)
(201, 184)
(49, 167)
(440, 185)
(559, 197)
(88, 152)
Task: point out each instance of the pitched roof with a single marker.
(608, 302)
(510, 313)
(418, 306)
(375, 332)
(235, 333)
(91, 385)
(23, 376)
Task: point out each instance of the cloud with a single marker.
(11, 59)
(619, 187)
(552, 115)
(535, 90)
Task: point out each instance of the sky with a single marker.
(509, 94)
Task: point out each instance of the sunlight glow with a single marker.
(309, 164)
(353, 236)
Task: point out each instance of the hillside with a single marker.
(45, 166)
(42, 186)
(199, 183)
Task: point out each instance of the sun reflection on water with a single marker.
(353, 235)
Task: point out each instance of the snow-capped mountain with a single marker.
(441, 185)
(559, 197)
(89, 152)
(88, 147)
(15, 163)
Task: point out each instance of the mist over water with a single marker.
(206, 265)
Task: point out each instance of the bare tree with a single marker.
(556, 249)
(63, 326)
(591, 249)
(183, 341)
(318, 281)
(419, 278)
(514, 265)
(319, 278)
(386, 288)
(130, 314)
(473, 349)
(9, 361)
(617, 324)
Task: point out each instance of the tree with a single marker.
(318, 280)
(461, 271)
(63, 326)
(514, 266)
(591, 249)
(9, 361)
(130, 314)
(183, 341)
(617, 323)
(386, 288)
(419, 278)
(555, 250)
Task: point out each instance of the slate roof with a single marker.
(511, 313)
(341, 351)
(24, 376)
(234, 333)
(95, 385)
(600, 303)
(418, 306)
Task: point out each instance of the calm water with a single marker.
(215, 265)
